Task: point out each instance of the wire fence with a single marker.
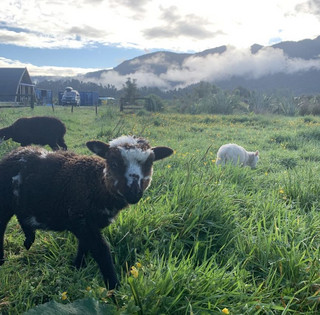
(17, 100)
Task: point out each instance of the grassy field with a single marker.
(203, 240)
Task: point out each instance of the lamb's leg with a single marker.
(29, 234)
(3, 224)
(94, 242)
(79, 261)
(62, 144)
(54, 146)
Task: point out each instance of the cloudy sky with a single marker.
(58, 37)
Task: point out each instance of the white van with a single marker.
(70, 97)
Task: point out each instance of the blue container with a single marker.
(89, 98)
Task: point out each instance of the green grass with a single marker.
(203, 238)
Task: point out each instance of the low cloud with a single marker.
(214, 68)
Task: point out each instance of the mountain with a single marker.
(289, 65)
(156, 63)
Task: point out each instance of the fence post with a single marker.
(32, 102)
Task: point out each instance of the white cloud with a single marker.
(236, 62)
(211, 68)
(181, 26)
(45, 70)
(161, 24)
(215, 67)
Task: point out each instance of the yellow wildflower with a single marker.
(213, 161)
(168, 166)
(138, 265)
(266, 173)
(281, 191)
(64, 295)
(225, 311)
(134, 271)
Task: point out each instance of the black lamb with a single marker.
(40, 130)
(82, 194)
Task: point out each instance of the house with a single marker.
(16, 86)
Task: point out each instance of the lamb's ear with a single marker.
(98, 147)
(161, 152)
(256, 153)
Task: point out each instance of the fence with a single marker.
(132, 104)
(17, 100)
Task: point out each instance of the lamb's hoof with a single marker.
(27, 244)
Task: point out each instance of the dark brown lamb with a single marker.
(82, 194)
(40, 130)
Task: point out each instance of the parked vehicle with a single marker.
(70, 97)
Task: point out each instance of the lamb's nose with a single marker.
(135, 192)
(134, 176)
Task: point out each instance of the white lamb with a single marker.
(235, 154)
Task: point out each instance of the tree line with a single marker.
(200, 98)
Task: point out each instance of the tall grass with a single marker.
(203, 239)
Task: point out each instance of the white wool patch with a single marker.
(16, 179)
(122, 141)
(16, 182)
(43, 153)
(22, 150)
(33, 222)
(135, 155)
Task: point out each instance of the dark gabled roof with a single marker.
(11, 78)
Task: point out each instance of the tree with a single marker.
(130, 91)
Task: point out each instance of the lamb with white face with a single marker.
(129, 162)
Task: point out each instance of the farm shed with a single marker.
(16, 85)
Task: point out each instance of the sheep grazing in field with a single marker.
(40, 130)
(81, 194)
(235, 154)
